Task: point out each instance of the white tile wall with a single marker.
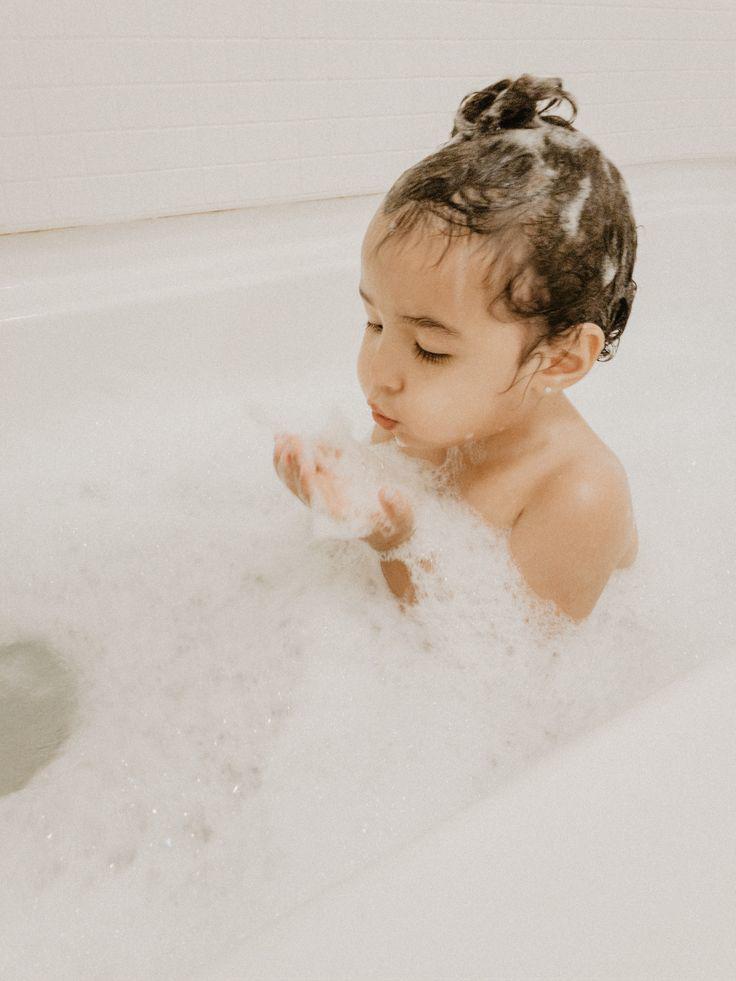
(140, 108)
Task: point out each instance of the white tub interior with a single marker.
(256, 719)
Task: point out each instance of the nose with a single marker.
(384, 367)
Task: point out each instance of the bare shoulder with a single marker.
(595, 486)
(597, 474)
(576, 528)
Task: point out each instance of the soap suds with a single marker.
(257, 717)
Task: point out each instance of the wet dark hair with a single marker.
(553, 210)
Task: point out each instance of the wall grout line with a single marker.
(326, 38)
(322, 81)
(319, 156)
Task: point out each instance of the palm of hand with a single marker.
(391, 525)
(304, 479)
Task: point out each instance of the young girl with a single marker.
(495, 273)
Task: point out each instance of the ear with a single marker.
(572, 356)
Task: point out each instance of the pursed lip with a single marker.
(376, 409)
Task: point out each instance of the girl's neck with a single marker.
(529, 434)
(532, 431)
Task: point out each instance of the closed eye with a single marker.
(419, 351)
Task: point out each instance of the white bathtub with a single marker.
(181, 830)
(611, 860)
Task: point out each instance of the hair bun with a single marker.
(510, 104)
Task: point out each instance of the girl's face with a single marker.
(443, 388)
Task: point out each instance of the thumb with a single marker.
(392, 499)
(396, 505)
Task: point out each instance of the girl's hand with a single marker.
(392, 524)
(302, 479)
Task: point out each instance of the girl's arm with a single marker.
(570, 537)
(398, 577)
(396, 572)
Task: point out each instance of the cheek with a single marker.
(362, 360)
(363, 366)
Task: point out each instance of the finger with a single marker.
(286, 465)
(296, 477)
(290, 445)
(278, 453)
(392, 500)
(287, 473)
(386, 520)
(301, 459)
(398, 511)
(304, 483)
(279, 464)
(279, 442)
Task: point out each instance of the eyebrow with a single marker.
(429, 322)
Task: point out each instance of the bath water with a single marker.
(257, 718)
(254, 718)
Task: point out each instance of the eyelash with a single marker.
(420, 353)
